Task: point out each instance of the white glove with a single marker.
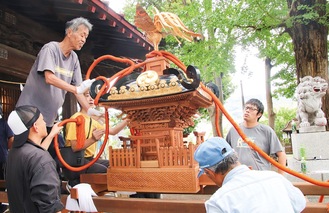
(85, 85)
(92, 111)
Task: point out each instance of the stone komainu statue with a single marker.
(309, 93)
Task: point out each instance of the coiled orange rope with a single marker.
(80, 141)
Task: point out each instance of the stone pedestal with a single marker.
(310, 129)
(314, 168)
(316, 145)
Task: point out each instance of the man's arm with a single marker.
(115, 130)
(96, 136)
(54, 131)
(57, 82)
(282, 159)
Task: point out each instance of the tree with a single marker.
(309, 31)
(266, 24)
(292, 35)
(270, 111)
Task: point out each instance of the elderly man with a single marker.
(242, 189)
(57, 71)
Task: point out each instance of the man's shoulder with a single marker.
(32, 151)
(264, 127)
(233, 130)
(52, 45)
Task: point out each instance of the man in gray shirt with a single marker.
(263, 136)
(57, 71)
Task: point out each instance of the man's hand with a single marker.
(98, 134)
(92, 111)
(84, 85)
(56, 129)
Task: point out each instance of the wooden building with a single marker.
(25, 26)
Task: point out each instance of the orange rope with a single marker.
(257, 149)
(218, 104)
(240, 132)
(79, 129)
(106, 87)
(80, 122)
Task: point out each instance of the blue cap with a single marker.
(211, 152)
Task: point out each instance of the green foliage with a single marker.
(225, 24)
(212, 54)
(249, 23)
(283, 116)
(202, 115)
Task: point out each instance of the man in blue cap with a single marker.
(242, 189)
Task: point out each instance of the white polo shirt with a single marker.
(252, 191)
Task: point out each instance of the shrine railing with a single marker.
(125, 157)
(166, 157)
(176, 156)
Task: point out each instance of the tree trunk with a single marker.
(310, 43)
(270, 111)
(219, 83)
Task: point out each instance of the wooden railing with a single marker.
(166, 156)
(176, 156)
(125, 157)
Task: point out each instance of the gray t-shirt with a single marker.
(47, 98)
(263, 136)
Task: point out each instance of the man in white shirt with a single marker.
(242, 189)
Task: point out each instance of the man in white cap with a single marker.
(242, 189)
(32, 181)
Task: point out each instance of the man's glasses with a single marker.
(250, 108)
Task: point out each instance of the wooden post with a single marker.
(138, 157)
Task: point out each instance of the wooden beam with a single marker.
(102, 16)
(40, 34)
(92, 9)
(122, 30)
(129, 35)
(15, 62)
(315, 208)
(2, 184)
(146, 205)
(112, 23)
(311, 189)
(78, 1)
(98, 182)
(3, 197)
